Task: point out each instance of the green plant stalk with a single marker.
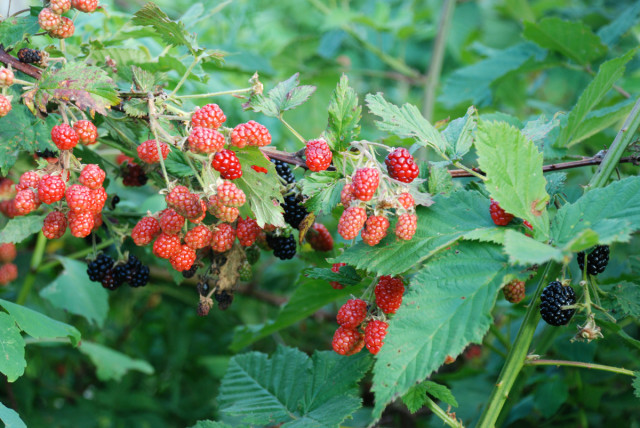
(618, 147)
(437, 410)
(293, 131)
(602, 367)
(516, 357)
(186, 74)
(36, 259)
(437, 56)
(215, 94)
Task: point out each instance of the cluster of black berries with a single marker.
(284, 171)
(190, 273)
(294, 211)
(284, 247)
(133, 175)
(29, 56)
(47, 154)
(555, 295)
(133, 272)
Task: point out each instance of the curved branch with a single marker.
(27, 69)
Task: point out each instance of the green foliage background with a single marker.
(173, 362)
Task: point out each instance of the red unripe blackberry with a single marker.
(5, 106)
(221, 211)
(51, 189)
(100, 198)
(81, 223)
(166, 246)
(346, 195)
(374, 334)
(318, 155)
(64, 137)
(60, 6)
(347, 341)
(8, 252)
(8, 273)
(48, 19)
(320, 238)
(230, 195)
(205, 140)
(364, 184)
(148, 151)
(514, 291)
(92, 176)
(145, 231)
(6, 77)
(406, 201)
(55, 224)
(64, 30)
(406, 226)
(375, 229)
(87, 132)
(250, 134)
(247, 231)
(183, 259)
(227, 164)
(28, 180)
(209, 116)
(86, 6)
(223, 238)
(389, 293)
(401, 166)
(351, 222)
(171, 222)
(80, 198)
(26, 202)
(500, 217)
(199, 237)
(352, 313)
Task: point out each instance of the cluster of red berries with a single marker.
(318, 155)
(502, 218)
(356, 313)
(8, 270)
(60, 27)
(6, 80)
(358, 195)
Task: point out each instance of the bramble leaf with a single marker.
(10, 418)
(459, 134)
(447, 306)
(513, 167)
(347, 275)
(20, 228)
(344, 116)
(15, 28)
(572, 39)
(169, 31)
(286, 95)
(292, 388)
(111, 364)
(323, 189)
(87, 86)
(12, 362)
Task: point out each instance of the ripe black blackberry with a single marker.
(203, 288)
(47, 154)
(29, 56)
(284, 171)
(133, 175)
(294, 211)
(284, 247)
(111, 281)
(114, 201)
(224, 299)
(553, 298)
(98, 268)
(140, 278)
(597, 260)
(191, 272)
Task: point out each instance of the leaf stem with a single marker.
(469, 170)
(153, 124)
(36, 259)
(618, 147)
(293, 131)
(185, 76)
(516, 357)
(437, 410)
(602, 367)
(437, 56)
(215, 94)
(77, 255)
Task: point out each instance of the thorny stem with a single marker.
(215, 94)
(469, 171)
(516, 358)
(619, 370)
(437, 410)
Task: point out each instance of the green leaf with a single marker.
(473, 83)
(583, 240)
(262, 190)
(445, 222)
(415, 398)
(10, 418)
(309, 297)
(440, 392)
(169, 31)
(608, 73)
(286, 95)
(623, 297)
(21, 131)
(440, 180)
(323, 190)
(527, 251)
(513, 167)
(87, 86)
(12, 362)
(405, 122)
(550, 395)
(537, 130)
(14, 29)
(72, 291)
(447, 306)
(20, 228)
(112, 365)
(613, 212)
(572, 39)
(38, 325)
(459, 134)
(636, 385)
(611, 33)
(347, 276)
(210, 424)
(555, 183)
(177, 165)
(344, 116)
(599, 120)
(292, 388)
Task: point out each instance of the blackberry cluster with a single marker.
(133, 272)
(553, 298)
(133, 175)
(224, 299)
(597, 260)
(47, 154)
(294, 211)
(29, 56)
(190, 272)
(284, 171)
(284, 247)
